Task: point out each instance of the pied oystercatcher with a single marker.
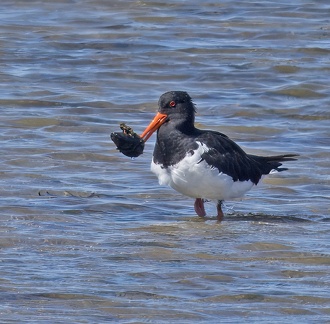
(202, 164)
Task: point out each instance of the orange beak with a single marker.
(153, 126)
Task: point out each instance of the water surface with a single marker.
(88, 236)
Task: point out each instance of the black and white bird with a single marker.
(202, 164)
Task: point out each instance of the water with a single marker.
(87, 235)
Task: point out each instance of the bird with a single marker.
(202, 164)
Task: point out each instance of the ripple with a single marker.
(300, 92)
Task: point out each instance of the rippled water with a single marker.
(87, 235)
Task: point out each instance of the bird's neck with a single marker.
(174, 138)
(185, 126)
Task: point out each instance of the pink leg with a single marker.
(199, 207)
(220, 212)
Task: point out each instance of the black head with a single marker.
(175, 108)
(177, 104)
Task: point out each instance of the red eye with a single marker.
(172, 104)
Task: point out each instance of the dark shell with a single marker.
(128, 142)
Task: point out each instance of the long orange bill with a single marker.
(153, 126)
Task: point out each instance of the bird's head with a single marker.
(173, 106)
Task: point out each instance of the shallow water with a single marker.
(88, 236)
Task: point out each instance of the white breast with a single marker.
(199, 180)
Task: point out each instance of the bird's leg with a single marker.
(199, 207)
(219, 209)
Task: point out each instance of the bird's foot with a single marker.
(199, 207)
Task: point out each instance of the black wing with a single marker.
(229, 158)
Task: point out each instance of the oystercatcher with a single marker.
(202, 164)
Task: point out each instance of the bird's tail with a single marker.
(267, 164)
